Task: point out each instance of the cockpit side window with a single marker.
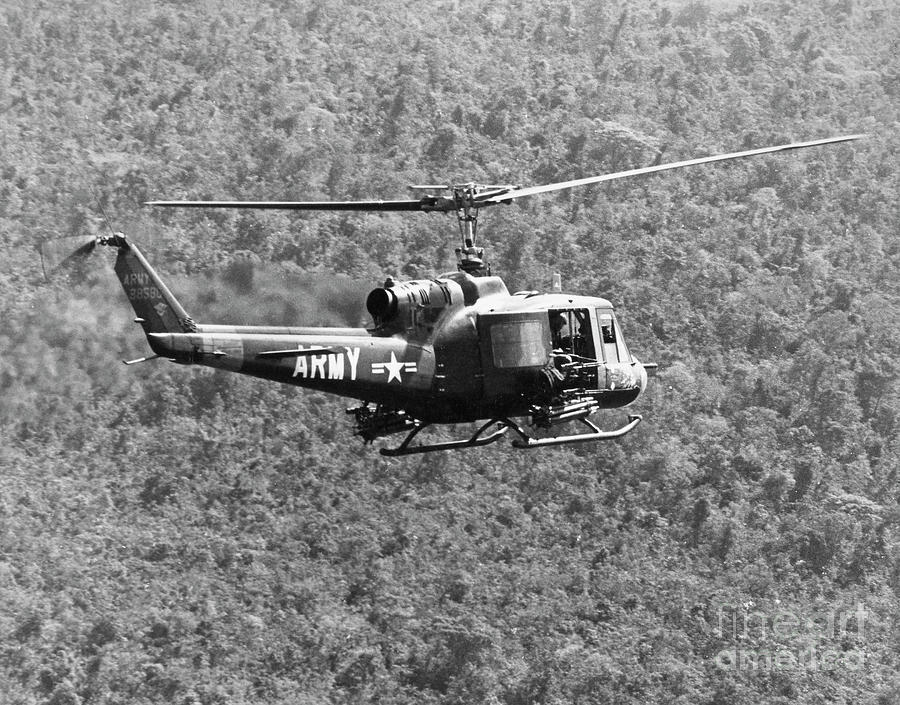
(614, 349)
(609, 335)
(624, 355)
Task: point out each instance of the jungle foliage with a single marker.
(181, 535)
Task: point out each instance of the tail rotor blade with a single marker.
(61, 251)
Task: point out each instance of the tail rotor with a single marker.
(59, 252)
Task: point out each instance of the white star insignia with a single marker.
(394, 368)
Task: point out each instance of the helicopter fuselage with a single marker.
(452, 349)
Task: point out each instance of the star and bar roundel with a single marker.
(393, 368)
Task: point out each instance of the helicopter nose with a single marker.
(642, 375)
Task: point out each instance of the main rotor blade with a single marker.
(532, 190)
(406, 205)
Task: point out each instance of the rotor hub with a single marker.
(466, 200)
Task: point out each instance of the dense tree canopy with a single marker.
(171, 534)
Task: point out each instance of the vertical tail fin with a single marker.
(158, 311)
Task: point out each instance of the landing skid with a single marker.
(524, 440)
(595, 434)
(472, 442)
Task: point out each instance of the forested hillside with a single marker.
(182, 535)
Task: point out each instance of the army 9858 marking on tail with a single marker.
(455, 348)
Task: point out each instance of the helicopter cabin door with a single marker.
(514, 348)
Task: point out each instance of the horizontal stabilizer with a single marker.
(60, 251)
(141, 359)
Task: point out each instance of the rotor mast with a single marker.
(469, 257)
(466, 200)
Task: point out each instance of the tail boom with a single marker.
(358, 366)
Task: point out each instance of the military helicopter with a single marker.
(452, 349)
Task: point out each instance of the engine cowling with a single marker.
(392, 305)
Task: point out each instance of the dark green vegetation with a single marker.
(177, 535)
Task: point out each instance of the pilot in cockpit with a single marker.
(560, 337)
